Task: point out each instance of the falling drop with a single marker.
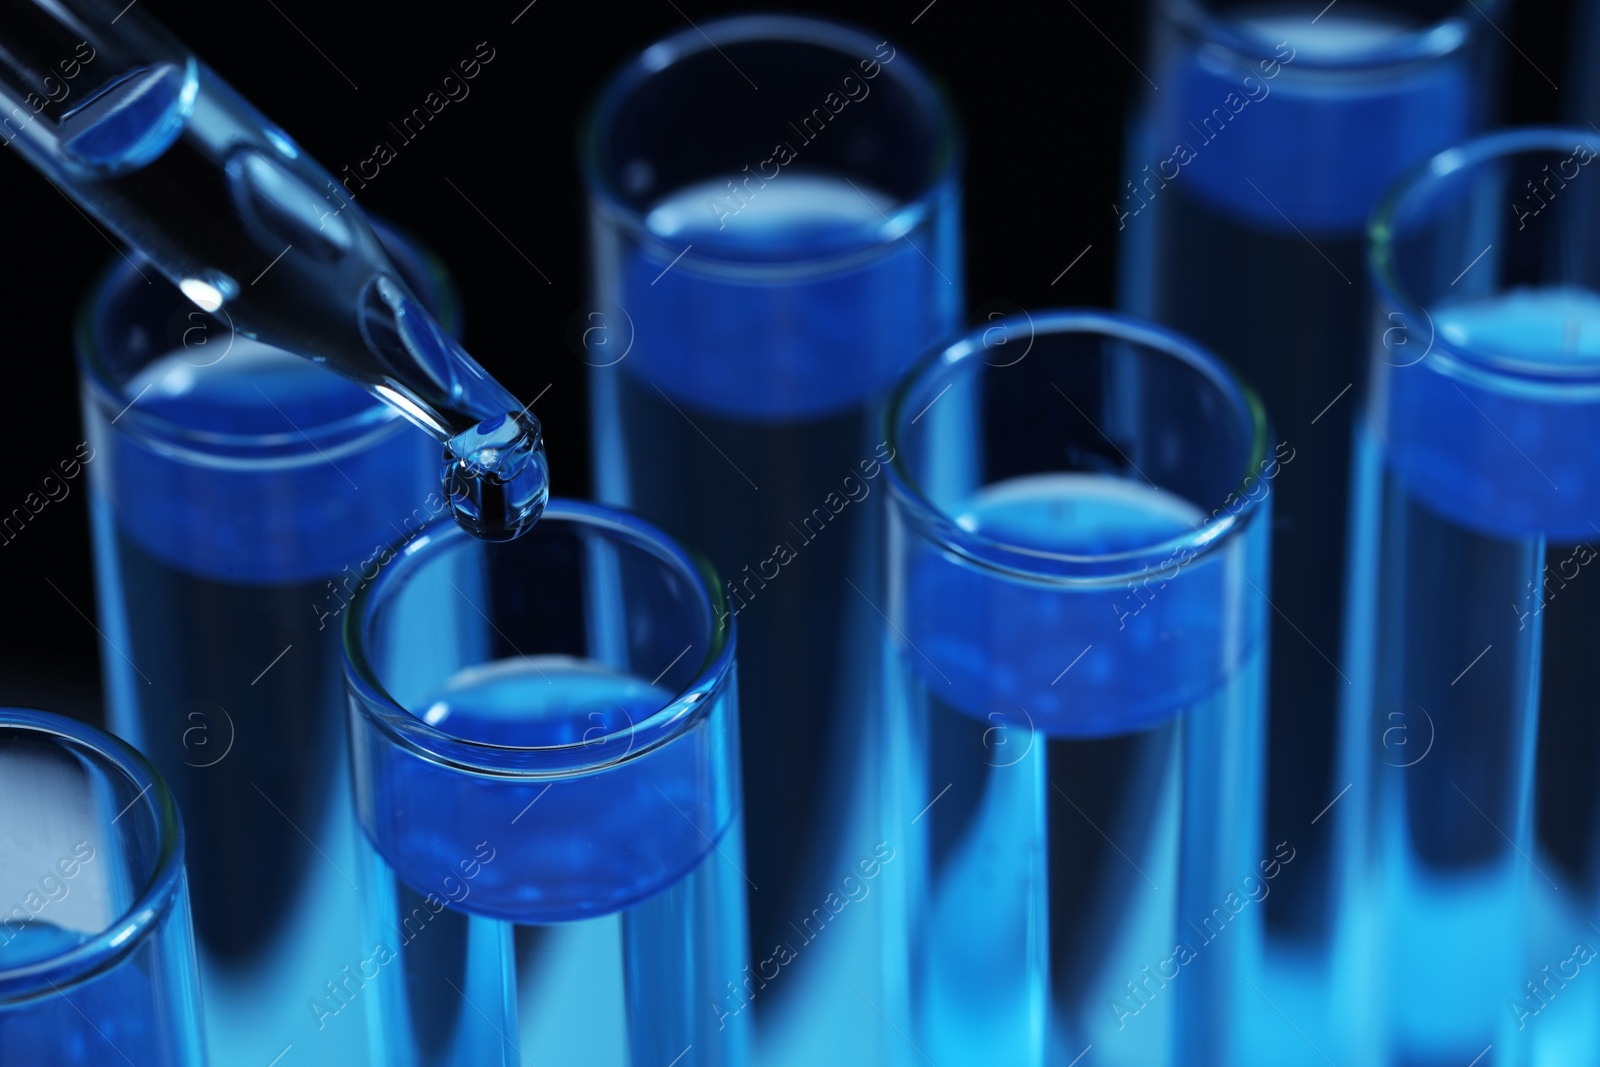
(496, 476)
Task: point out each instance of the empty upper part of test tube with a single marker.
(126, 122)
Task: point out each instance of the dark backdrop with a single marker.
(1043, 94)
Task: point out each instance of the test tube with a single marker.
(1078, 552)
(545, 746)
(1478, 487)
(239, 496)
(97, 959)
(775, 237)
(1250, 177)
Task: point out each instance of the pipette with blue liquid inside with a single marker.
(126, 122)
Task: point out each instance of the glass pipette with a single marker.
(127, 123)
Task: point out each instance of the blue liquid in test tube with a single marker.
(551, 851)
(241, 495)
(1079, 694)
(761, 278)
(1472, 626)
(1250, 178)
(97, 959)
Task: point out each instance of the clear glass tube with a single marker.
(125, 121)
(1471, 614)
(239, 496)
(97, 957)
(129, 123)
(545, 750)
(1250, 178)
(762, 272)
(1078, 552)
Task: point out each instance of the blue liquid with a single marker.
(1321, 149)
(211, 564)
(798, 218)
(805, 323)
(1547, 326)
(1169, 626)
(561, 947)
(1533, 470)
(776, 360)
(1466, 564)
(79, 850)
(1349, 30)
(121, 1012)
(1256, 250)
(225, 205)
(1074, 845)
(37, 940)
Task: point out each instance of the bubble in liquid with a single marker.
(496, 476)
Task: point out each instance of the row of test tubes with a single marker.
(1210, 681)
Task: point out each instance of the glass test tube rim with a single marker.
(154, 902)
(919, 384)
(299, 445)
(1578, 381)
(876, 238)
(1437, 40)
(671, 721)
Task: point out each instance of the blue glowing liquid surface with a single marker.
(1156, 642)
(1510, 457)
(295, 472)
(634, 970)
(109, 1018)
(1556, 325)
(50, 1031)
(595, 842)
(230, 386)
(547, 700)
(800, 298)
(1078, 514)
(1318, 145)
(792, 217)
(1347, 31)
(36, 941)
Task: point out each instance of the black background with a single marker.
(1043, 90)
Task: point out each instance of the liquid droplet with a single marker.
(496, 476)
